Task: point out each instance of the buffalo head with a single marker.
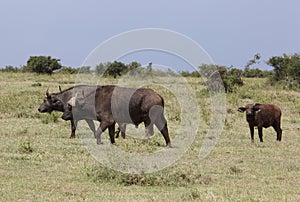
(51, 102)
(76, 103)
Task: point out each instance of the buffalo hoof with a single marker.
(99, 141)
(169, 145)
(72, 137)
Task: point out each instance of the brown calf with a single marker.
(262, 115)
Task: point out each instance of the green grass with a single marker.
(38, 161)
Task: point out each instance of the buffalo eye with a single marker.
(54, 100)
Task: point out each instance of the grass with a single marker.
(39, 162)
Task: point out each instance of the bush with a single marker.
(10, 69)
(231, 78)
(84, 70)
(160, 178)
(68, 70)
(25, 147)
(256, 73)
(190, 74)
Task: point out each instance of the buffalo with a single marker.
(57, 102)
(262, 115)
(113, 104)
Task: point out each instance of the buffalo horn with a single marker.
(47, 92)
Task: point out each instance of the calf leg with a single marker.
(260, 133)
(73, 128)
(278, 131)
(91, 126)
(252, 133)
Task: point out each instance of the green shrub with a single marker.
(51, 118)
(161, 178)
(25, 147)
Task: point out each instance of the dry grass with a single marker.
(39, 162)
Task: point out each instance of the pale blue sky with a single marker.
(231, 31)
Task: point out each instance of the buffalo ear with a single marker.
(72, 101)
(242, 109)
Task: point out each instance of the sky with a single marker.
(230, 31)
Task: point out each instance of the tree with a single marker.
(286, 67)
(116, 69)
(253, 61)
(42, 64)
(133, 65)
(101, 68)
(253, 72)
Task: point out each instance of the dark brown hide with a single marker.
(262, 115)
(113, 104)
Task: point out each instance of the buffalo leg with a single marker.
(91, 126)
(252, 133)
(148, 129)
(111, 131)
(101, 128)
(123, 129)
(260, 133)
(73, 128)
(117, 132)
(149, 132)
(161, 124)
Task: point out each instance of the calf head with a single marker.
(51, 102)
(67, 115)
(74, 102)
(251, 109)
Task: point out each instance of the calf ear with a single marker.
(256, 107)
(242, 109)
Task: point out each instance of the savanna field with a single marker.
(40, 163)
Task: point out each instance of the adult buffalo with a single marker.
(113, 104)
(57, 102)
(262, 115)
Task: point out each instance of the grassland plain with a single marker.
(38, 161)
